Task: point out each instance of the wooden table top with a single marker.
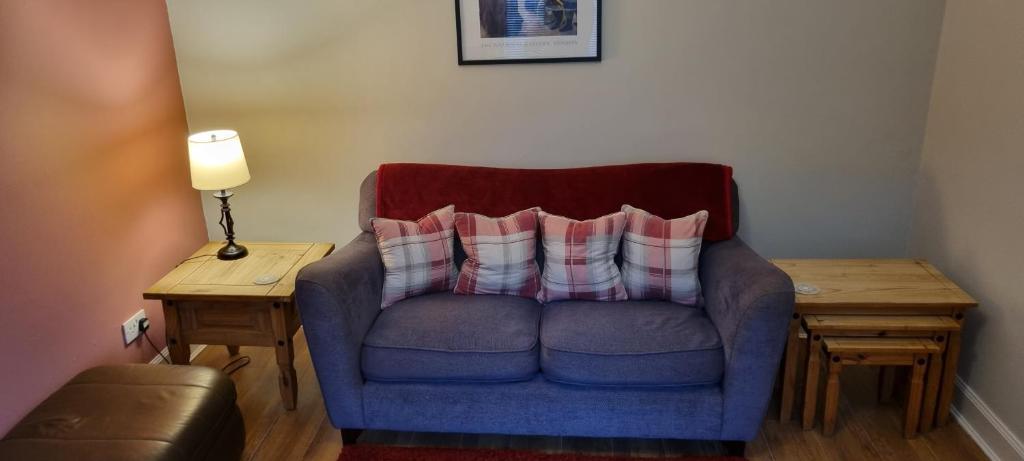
(868, 284)
(204, 277)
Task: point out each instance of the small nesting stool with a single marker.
(820, 326)
(937, 328)
(912, 352)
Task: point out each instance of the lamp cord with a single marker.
(183, 261)
(231, 366)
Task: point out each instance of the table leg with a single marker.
(285, 356)
(811, 385)
(948, 378)
(789, 370)
(176, 346)
(828, 423)
(886, 383)
(914, 396)
(931, 392)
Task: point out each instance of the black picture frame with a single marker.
(473, 62)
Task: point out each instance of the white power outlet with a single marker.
(130, 328)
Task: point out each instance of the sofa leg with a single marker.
(349, 436)
(734, 448)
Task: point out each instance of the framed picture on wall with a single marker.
(526, 31)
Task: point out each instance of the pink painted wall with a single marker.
(95, 199)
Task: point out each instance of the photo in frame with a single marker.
(527, 31)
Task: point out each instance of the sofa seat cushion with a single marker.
(444, 337)
(629, 343)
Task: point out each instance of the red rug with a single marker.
(388, 453)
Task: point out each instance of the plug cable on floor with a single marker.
(158, 351)
(231, 367)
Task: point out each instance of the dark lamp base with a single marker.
(232, 251)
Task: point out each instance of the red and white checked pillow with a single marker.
(660, 257)
(501, 254)
(417, 255)
(579, 258)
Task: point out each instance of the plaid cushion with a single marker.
(659, 257)
(417, 255)
(579, 258)
(501, 254)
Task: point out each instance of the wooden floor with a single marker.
(866, 430)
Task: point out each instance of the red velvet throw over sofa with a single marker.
(409, 191)
(444, 362)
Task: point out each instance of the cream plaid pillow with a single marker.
(501, 254)
(417, 255)
(579, 258)
(660, 257)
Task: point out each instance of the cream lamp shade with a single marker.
(217, 160)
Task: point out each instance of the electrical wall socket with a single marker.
(130, 328)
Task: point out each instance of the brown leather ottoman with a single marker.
(130, 413)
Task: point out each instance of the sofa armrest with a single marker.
(750, 301)
(339, 299)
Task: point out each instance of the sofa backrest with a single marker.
(409, 191)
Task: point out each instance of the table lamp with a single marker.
(218, 164)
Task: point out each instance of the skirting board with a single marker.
(986, 428)
(195, 349)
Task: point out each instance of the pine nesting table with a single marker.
(882, 287)
(210, 301)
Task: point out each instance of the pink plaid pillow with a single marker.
(659, 257)
(579, 258)
(501, 254)
(417, 255)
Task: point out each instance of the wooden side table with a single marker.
(873, 287)
(245, 302)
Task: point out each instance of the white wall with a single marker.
(818, 104)
(969, 216)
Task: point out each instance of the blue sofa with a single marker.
(508, 365)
